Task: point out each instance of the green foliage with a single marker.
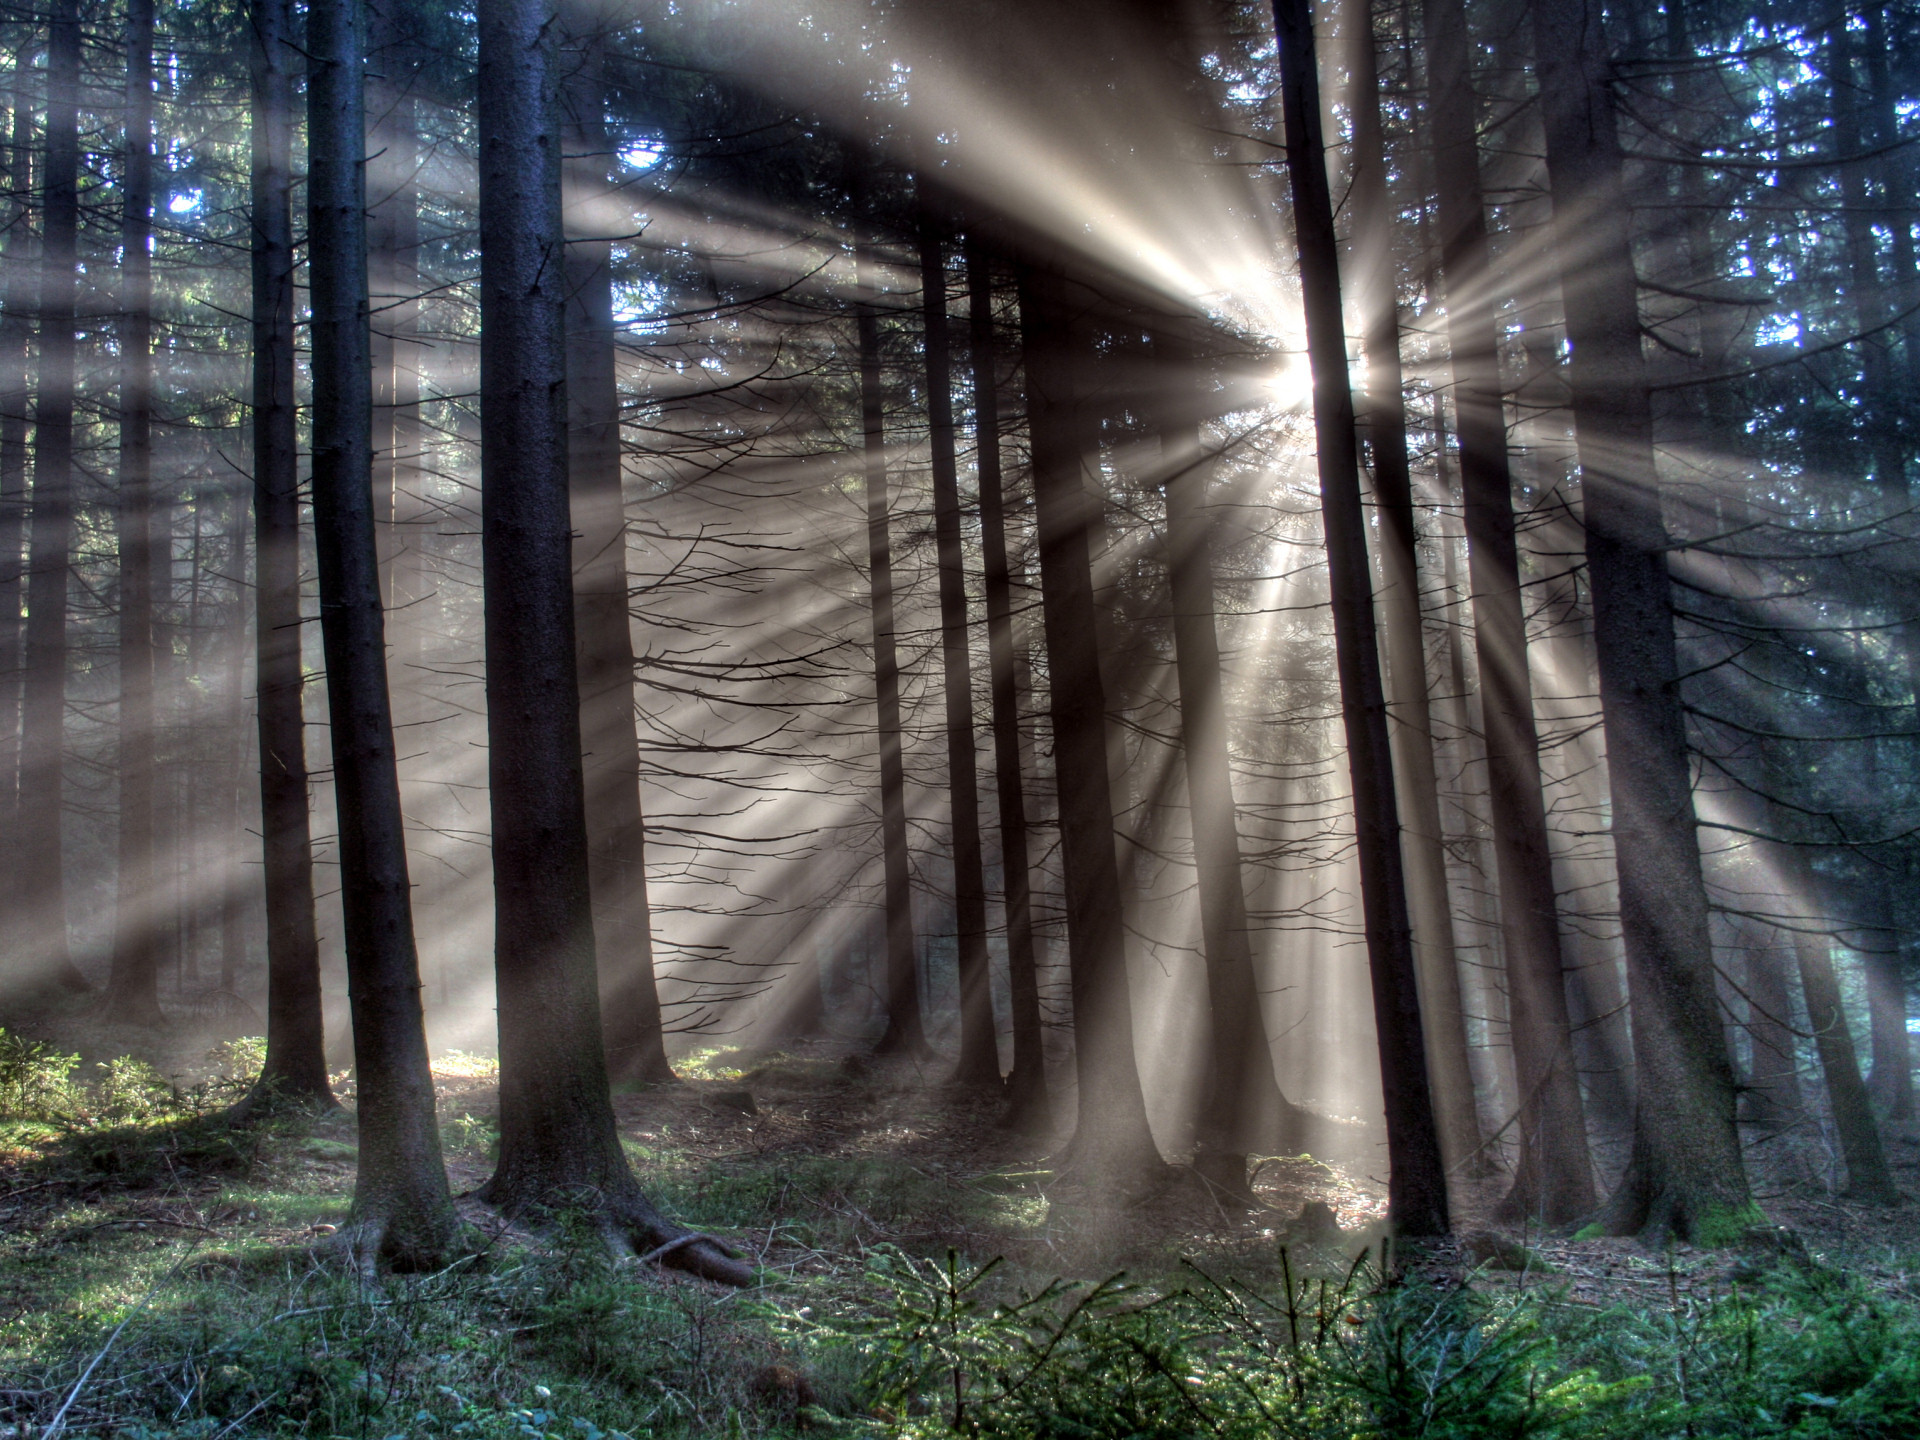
(36, 1081)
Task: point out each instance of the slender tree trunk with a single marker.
(1685, 1175)
(1773, 1097)
(1242, 1108)
(1384, 415)
(1553, 1181)
(401, 1203)
(1112, 1147)
(610, 756)
(904, 1033)
(1868, 1178)
(236, 879)
(133, 993)
(16, 338)
(1417, 1192)
(979, 1061)
(296, 1043)
(558, 1142)
(1028, 1104)
(41, 877)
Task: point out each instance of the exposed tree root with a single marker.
(632, 1228)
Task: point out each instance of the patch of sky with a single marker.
(186, 202)
(637, 306)
(643, 154)
(1778, 330)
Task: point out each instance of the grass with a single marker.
(192, 1263)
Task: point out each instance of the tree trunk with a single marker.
(610, 755)
(558, 1141)
(1868, 1178)
(1242, 1107)
(401, 1205)
(15, 397)
(1112, 1147)
(133, 985)
(979, 1061)
(236, 879)
(1773, 1098)
(1383, 409)
(296, 1042)
(1028, 1104)
(904, 1033)
(1553, 1181)
(1417, 1193)
(41, 878)
(1685, 1175)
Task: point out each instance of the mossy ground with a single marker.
(192, 1261)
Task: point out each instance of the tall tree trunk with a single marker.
(1112, 1146)
(401, 1204)
(1417, 1191)
(1868, 1178)
(1384, 417)
(979, 1061)
(1685, 1174)
(41, 878)
(610, 755)
(1773, 1098)
(1554, 1178)
(133, 985)
(904, 1033)
(1028, 1104)
(296, 1065)
(16, 336)
(236, 879)
(558, 1141)
(1242, 1108)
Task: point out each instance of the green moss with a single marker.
(1726, 1225)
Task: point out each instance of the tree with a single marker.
(558, 1142)
(1686, 1175)
(1112, 1146)
(979, 1062)
(133, 994)
(296, 1051)
(1028, 1106)
(41, 881)
(401, 1207)
(1417, 1192)
(610, 755)
(16, 335)
(1554, 1178)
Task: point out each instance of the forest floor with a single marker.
(162, 1274)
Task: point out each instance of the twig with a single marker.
(60, 1416)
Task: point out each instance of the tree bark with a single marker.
(1868, 1178)
(979, 1060)
(610, 750)
(16, 334)
(41, 878)
(1384, 423)
(296, 1042)
(1028, 1103)
(1773, 1098)
(402, 1210)
(1112, 1148)
(1553, 1181)
(904, 1033)
(237, 879)
(133, 984)
(558, 1141)
(1685, 1175)
(1417, 1192)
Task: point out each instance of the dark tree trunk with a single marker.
(1868, 1178)
(1553, 1181)
(1384, 416)
(41, 877)
(1028, 1105)
(15, 396)
(133, 985)
(296, 1043)
(610, 753)
(1773, 1098)
(558, 1141)
(1112, 1147)
(401, 1204)
(237, 879)
(979, 1062)
(904, 1033)
(1417, 1191)
(1685, 1175)
(1242, 1108)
